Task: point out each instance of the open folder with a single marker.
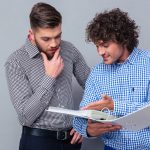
(134, 121)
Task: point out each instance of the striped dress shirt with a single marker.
(129, 86)
(32, 91)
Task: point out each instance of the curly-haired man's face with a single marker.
(112, 52)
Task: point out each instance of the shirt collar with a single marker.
(31, 49)
(132, 57)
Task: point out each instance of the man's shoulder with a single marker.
(144, 55)
(101, 67)
(66, 43)
(70, 49)
(16, 55)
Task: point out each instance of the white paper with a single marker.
(132, 122)
(88, 114)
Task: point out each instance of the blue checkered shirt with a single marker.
(129, 86)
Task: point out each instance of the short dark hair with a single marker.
(44, 16)
(114, 25)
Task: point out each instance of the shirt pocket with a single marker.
(115, 92)
(139, 94)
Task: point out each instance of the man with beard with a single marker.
(39, 75)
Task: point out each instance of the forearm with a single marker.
(81, 70)
(30, 104)
(80, 125)
(34, 106)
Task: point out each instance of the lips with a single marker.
(52, 50)
(105, 58)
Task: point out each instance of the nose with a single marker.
(53, 43)
(101, 50)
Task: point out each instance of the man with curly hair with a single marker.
(123, 77)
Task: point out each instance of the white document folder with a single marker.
(134, 121)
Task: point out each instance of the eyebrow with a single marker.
(58, 35)
(52, 37)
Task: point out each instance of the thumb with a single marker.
(72, 132)
(92, 105)
(56, 55)
(89, 121)
(44, 57)
(83, 108)
(106, 97)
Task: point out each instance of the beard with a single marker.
(41, 50)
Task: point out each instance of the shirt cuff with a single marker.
(48, 82)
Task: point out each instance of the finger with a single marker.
(62, 61)
(45, 59)
(81, 140)
(83, 108)
(72, 132)
(94, 105)
(56, 55)
(104, 96)
(103, 125)
(89, 121)
(78, 138)
(110, 129)
(61, 64)
(73, 139)
(99, 125)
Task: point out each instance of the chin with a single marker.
(49, 54)
(108, 62)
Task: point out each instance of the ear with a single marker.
(31, 35)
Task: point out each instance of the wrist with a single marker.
(87, 133)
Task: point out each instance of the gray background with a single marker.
(14, 25)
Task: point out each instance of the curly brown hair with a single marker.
(114, 25)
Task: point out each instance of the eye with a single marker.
(45, 39)
(106, 45)
(58, 36)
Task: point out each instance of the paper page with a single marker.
(88, 114)
(134, 121)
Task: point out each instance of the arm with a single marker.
(80, 68)
(28, 104)
(80, 124)
(90, 128)
(120, 108)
